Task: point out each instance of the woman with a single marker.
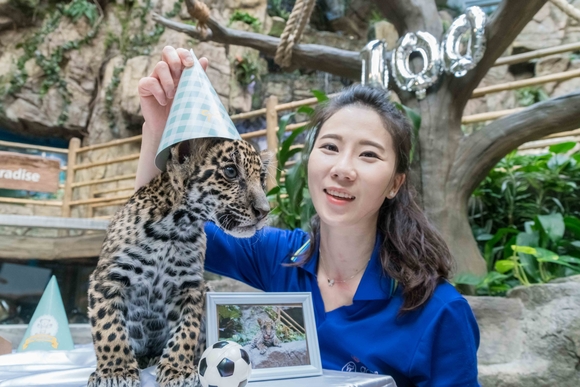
(375, 267)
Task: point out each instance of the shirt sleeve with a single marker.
(254, 261)
(447, 352)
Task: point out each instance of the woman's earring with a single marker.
(391, 194)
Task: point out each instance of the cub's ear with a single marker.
(180, 152)
(266, 156)
(259, 321)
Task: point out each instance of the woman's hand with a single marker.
(156, 94)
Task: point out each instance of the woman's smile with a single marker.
(351, 167)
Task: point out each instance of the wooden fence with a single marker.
(100, 195)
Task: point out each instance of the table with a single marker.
(332, 379)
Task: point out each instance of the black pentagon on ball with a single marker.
(202, 366)
(226, 367)
(220, 344)
(245, 355)
(243, 384)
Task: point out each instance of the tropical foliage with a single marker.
(525, 217)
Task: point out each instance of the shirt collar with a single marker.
(374, 285)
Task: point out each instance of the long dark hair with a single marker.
(412, 251)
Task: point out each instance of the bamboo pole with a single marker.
(488, 116)
(256, 133)
(111, 143)
(106, 191)
(272, 138)
(131, 157)
(575, 132)
(39, 147)
(567, 8)
(99, 200)
(109, 204)
(54, 203)
(525, 82)
(74, 145)
(519, 58)
(252, 114)
(102, 181)
(296, 104)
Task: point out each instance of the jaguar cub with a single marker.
(266, 336)
(147, 295)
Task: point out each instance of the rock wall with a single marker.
(531, 337)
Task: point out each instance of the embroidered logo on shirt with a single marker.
(357, 366)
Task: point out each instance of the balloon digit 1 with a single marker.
(374, 69)
(472, 22)
(425, 44)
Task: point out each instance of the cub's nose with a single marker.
(260, 211)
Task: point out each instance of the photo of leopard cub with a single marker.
(147, 294)
(266, 336)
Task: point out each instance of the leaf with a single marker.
(504, 265)
(294, 185)
(284, 153)
(305, 109)
(467, 279)
(572, 224)
(274, 191)
(282, 125)
(488, 252)
(524, 249)
(562, 147)
(320, 95)
(553, 225)
(492, 277)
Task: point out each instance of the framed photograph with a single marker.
(276, 329)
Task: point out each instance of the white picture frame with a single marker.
(284, 305)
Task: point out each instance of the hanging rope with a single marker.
(200, 12)
(298, 19)
(567, 8)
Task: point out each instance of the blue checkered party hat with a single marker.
(196, 112)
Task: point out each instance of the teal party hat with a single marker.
(196, 112)
(48, 328)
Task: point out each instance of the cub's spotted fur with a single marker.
(266, 336)
(146, 295)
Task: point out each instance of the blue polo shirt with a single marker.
(435, 345)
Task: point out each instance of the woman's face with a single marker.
(351, 169)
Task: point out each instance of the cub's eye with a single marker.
(230, 172)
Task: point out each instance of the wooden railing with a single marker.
(99, 196)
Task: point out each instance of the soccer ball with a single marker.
(224, 364)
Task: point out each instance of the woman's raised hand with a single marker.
(156, 94)
(156, 91)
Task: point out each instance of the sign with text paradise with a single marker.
(30, 173)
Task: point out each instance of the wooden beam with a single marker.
(51, 249)
(53, 222)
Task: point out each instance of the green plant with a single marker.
(527, 96)
(50, 64)
(293, 203)
(278, 8)
(247, 70)
(246, 18)
(548, 248)
(527, 202)
(522, 187)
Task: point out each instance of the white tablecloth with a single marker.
(72, 369)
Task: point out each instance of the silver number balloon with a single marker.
(426, 45)
(374, 68)
(473, 23)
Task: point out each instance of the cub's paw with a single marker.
(168, 376)
(107, 378)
